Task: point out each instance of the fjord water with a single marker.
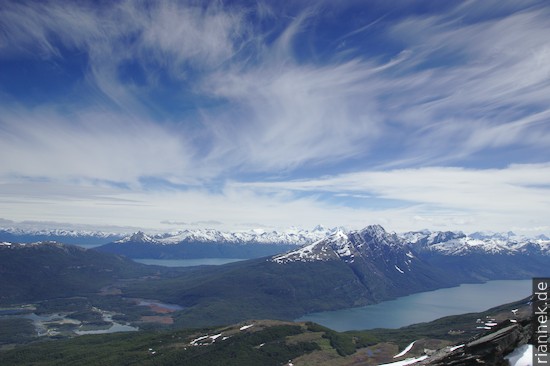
(187, 262)
(424, 306)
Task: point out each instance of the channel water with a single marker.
(424, 306)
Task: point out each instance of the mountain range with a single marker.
(257, 243)
(210, 243)
(346, 269)
(79, 237)
(343, 269)
(289, 237)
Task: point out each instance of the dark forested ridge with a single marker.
(31, 272)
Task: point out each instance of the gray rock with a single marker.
(485, 349)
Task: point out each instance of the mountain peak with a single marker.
(374, 230)
(342, 245)
(319, 228)
(137, 237)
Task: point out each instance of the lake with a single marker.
(424, 306)
(187, 262)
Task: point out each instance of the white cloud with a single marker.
(90, 145)
(284, 112)
(205, 37)
(514, 198)
(169, 31)
(169, 35)
(518, 193)
(487, 94)
(285, 117)
(471, 86)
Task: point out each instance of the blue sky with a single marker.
(236, 115)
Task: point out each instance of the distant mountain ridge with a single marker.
(345, 244)
(86, 237)
(437, 240)
(451, 243)
(210, 243)
(256, 243)
(203, 243)
(291, 236)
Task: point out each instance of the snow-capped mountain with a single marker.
(59, 232)
(191, 243)
(210, 243)
(85, 237)
(349, 245)
(291, 236)
(388, 264)
(450, 243)
(343, 245)
(137, 237)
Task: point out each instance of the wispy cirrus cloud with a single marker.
(525, 187)
(438, 198)
(454, 97)
(515, 196)
(154, 38)
(90, 145)
(442, 99)
(299, 115)
(472, 86)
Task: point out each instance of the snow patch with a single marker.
(194, 341)
(456, 347)
(521, 356)
(408, 361)
(214, 337)
(244, 327)
(399, 269)
(407, 349)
